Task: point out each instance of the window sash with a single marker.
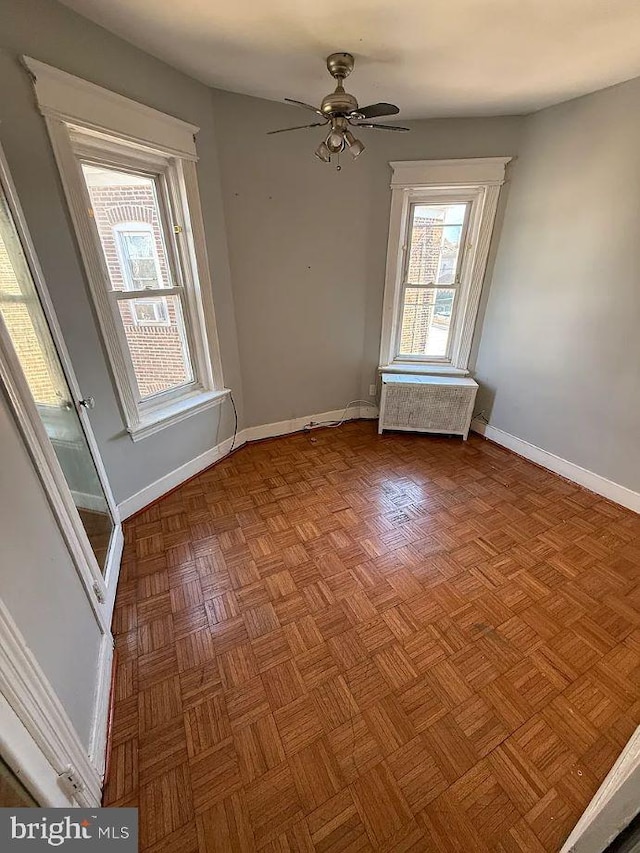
(421, 357)
(146, 293)
(166, 214)
(170, 178)
(162, 172)
(438, 197)
(408, 241)
(154, 401)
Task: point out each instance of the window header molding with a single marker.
(448, 173)
(90, 126)
(73, 100)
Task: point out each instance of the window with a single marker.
(441, 221)
(431, 278)
(129, 175)
(134, 218)
(139, 267)
(140, 264)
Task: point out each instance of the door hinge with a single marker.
(99, 594)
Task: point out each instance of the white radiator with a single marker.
(413, 403)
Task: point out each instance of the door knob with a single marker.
(87, 403)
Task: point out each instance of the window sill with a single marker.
(176, 412)
(423, 369)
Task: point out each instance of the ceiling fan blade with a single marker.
(299, 127)
(305, 106)
(380, 126)
(378, 110)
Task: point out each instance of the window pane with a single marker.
(140, 261)
(155, 333)
(426, 321)
(127, 215)
(436, 231)
(21, 313)
(150, 311)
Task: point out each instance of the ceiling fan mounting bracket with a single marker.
(340, 65)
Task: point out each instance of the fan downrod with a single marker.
(340, 65)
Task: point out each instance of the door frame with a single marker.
(100, 589)
(37, 738)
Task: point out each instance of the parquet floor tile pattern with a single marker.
(346, 642)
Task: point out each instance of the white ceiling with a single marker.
(431, 57)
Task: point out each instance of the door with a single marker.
(25, 324)
(38, 739)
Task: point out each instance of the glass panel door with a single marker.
(33, 343)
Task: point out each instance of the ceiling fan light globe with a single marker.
(335, 142)
(323, 153)
(355, 146)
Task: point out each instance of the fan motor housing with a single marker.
(338, 102)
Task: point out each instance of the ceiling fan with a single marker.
(340, 110)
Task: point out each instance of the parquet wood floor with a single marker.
(359, 643)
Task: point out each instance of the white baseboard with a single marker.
(100, 723)
(296, 424)
(155, 490)
(165, 484)
(94, 503)
(594, 482)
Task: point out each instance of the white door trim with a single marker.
(614, 805)
(100, 722)
(30, 765)
(32, 699)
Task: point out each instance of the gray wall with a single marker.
(307, 246)
(560, 348)
(39, 584)
(54, 34)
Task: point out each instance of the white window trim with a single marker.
(478, 180)
(63, 96)
(97, 116)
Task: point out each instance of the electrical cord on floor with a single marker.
(235, 428)
(330, 424)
